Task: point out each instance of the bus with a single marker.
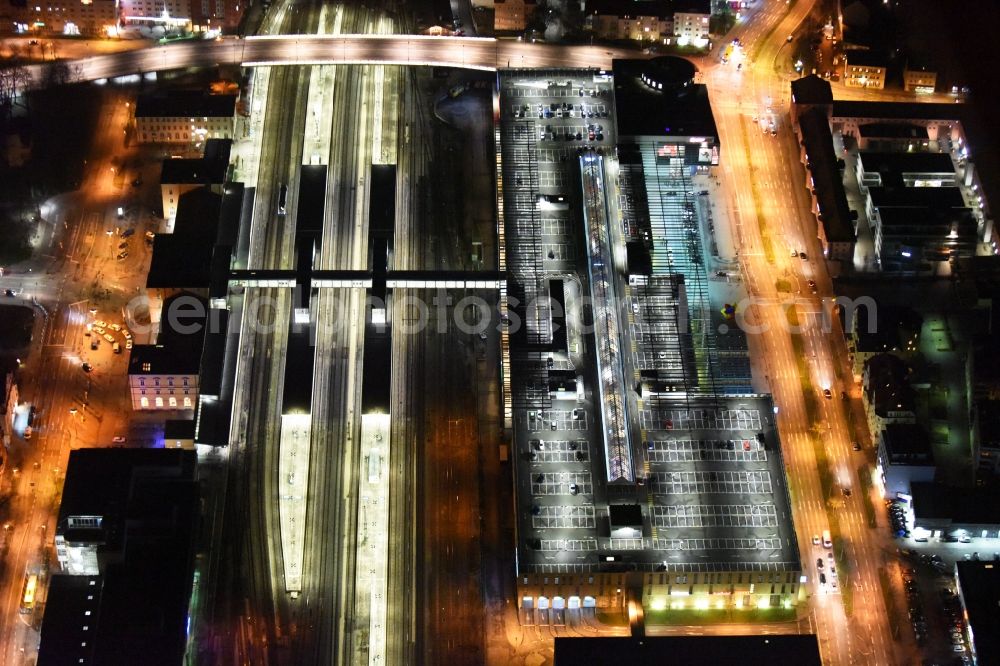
(282, 195)
(551, 202)
(374, 467)
(28, 596)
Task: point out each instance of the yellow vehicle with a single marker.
(28, 596)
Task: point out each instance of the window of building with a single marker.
(144, 402)
(159, 401)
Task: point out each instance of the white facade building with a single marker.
(691, 22)
(184, 118)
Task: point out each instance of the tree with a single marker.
(14, 79)
(59, 73)
(722, 20)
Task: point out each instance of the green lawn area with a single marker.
(765, 235)
(864, 475)
(844, 571)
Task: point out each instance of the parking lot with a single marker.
(931, 612)
(711, 472)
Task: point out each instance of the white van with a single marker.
(827, 543)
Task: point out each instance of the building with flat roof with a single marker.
(184, 116)
(906, 168)
(925, 222)
(950, 128)
(864, 69)
(801, 650)
(986, 435)
(659, 480)
(163, 375)
(178, 176)
(978, 587)
(183, 259)
(125, 542)
(892, 137)
(941, 511)
(883, 329)
(919, 78)
(658, 103)
(904, 456)
(834, 219)
(810, 92)
(886, 392)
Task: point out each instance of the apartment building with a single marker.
(864, 69)
(177, 12)
(512, 15)
(91, 18)
(904, 457)
(918, 78)
(217, 14)
(691, 21)
(184, 117)
(8, 402)
(626, 19)
(887, 395)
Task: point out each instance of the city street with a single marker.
(774, 230)
(73, 280)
